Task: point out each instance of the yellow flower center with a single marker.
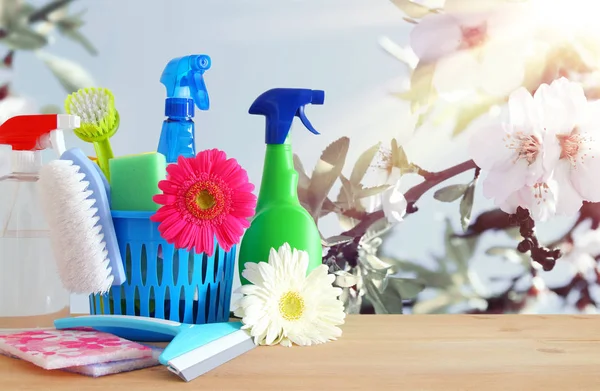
(291, 306)
(205, 200)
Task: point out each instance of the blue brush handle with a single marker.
(134, 323)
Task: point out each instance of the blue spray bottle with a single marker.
(183, 77)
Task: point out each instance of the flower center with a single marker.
(291, 306)
(527, 146)
(571, 145)
(540, 192)
(206, 200)
(473, 36)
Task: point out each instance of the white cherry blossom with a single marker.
(512, 151)
(572, 142)
(476, 46)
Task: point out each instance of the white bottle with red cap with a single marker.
(31, 293)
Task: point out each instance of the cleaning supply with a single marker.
(183, 78)
(134, 181)
(75, 199)
(110, 367)
(57, 349)
(99, 120)
(119, 366)
(31, 293)
(279, 216)
(194, 349)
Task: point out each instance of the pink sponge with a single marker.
(55, 349)
(109, 368)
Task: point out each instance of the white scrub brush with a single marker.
(75, 200)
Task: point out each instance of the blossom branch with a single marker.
(432, 179)
(45, 11)
(540, 254)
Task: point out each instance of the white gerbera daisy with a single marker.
(283, 306)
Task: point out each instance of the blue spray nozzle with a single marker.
(183, 77)
(280, 106)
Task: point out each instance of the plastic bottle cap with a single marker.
(179, 107)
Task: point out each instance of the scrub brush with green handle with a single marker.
(99, 121)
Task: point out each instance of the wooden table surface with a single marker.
(384, 352)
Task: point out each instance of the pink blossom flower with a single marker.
(572, 143)
(546, 158)
(512, 152)
(475, 45)
(540, 199)
(204, 197)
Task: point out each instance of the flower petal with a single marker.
(569, 201)
(522, 110)
(435, 37)
(562, 105)
(488, 150)
(585, 175)
(394, 204)
(499, 184)
(459, 72)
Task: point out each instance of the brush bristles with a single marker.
(96, 109)
(77, 239)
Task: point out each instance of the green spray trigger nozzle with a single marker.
(280, 106)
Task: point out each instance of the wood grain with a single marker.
(411, 352)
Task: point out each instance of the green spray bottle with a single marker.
(279, 217)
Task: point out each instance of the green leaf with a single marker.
(466, 206)
(437, 305)
(467, 113)
(303, 179)
(407, 288)
(328, 205)
(344, 279)
(43, 12)
(24, 38)
(75, 35)
(374, 296)
(392, 302)
(399, 158)
(403, 54)
(432, 279)
(51, 109)
(335, 240)
(374, 265)
(459, 250)
(413, 10)
(70, 75)
(11, 12)
(421, 94)
(346, 195)
(450, 193)
(347, 202)
(362, 164)
(328, 169)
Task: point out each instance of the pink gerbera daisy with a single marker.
(203, 197)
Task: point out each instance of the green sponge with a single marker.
(134, 181)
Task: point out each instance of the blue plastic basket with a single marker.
(181, 286)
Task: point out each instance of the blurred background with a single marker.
(358, 52)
